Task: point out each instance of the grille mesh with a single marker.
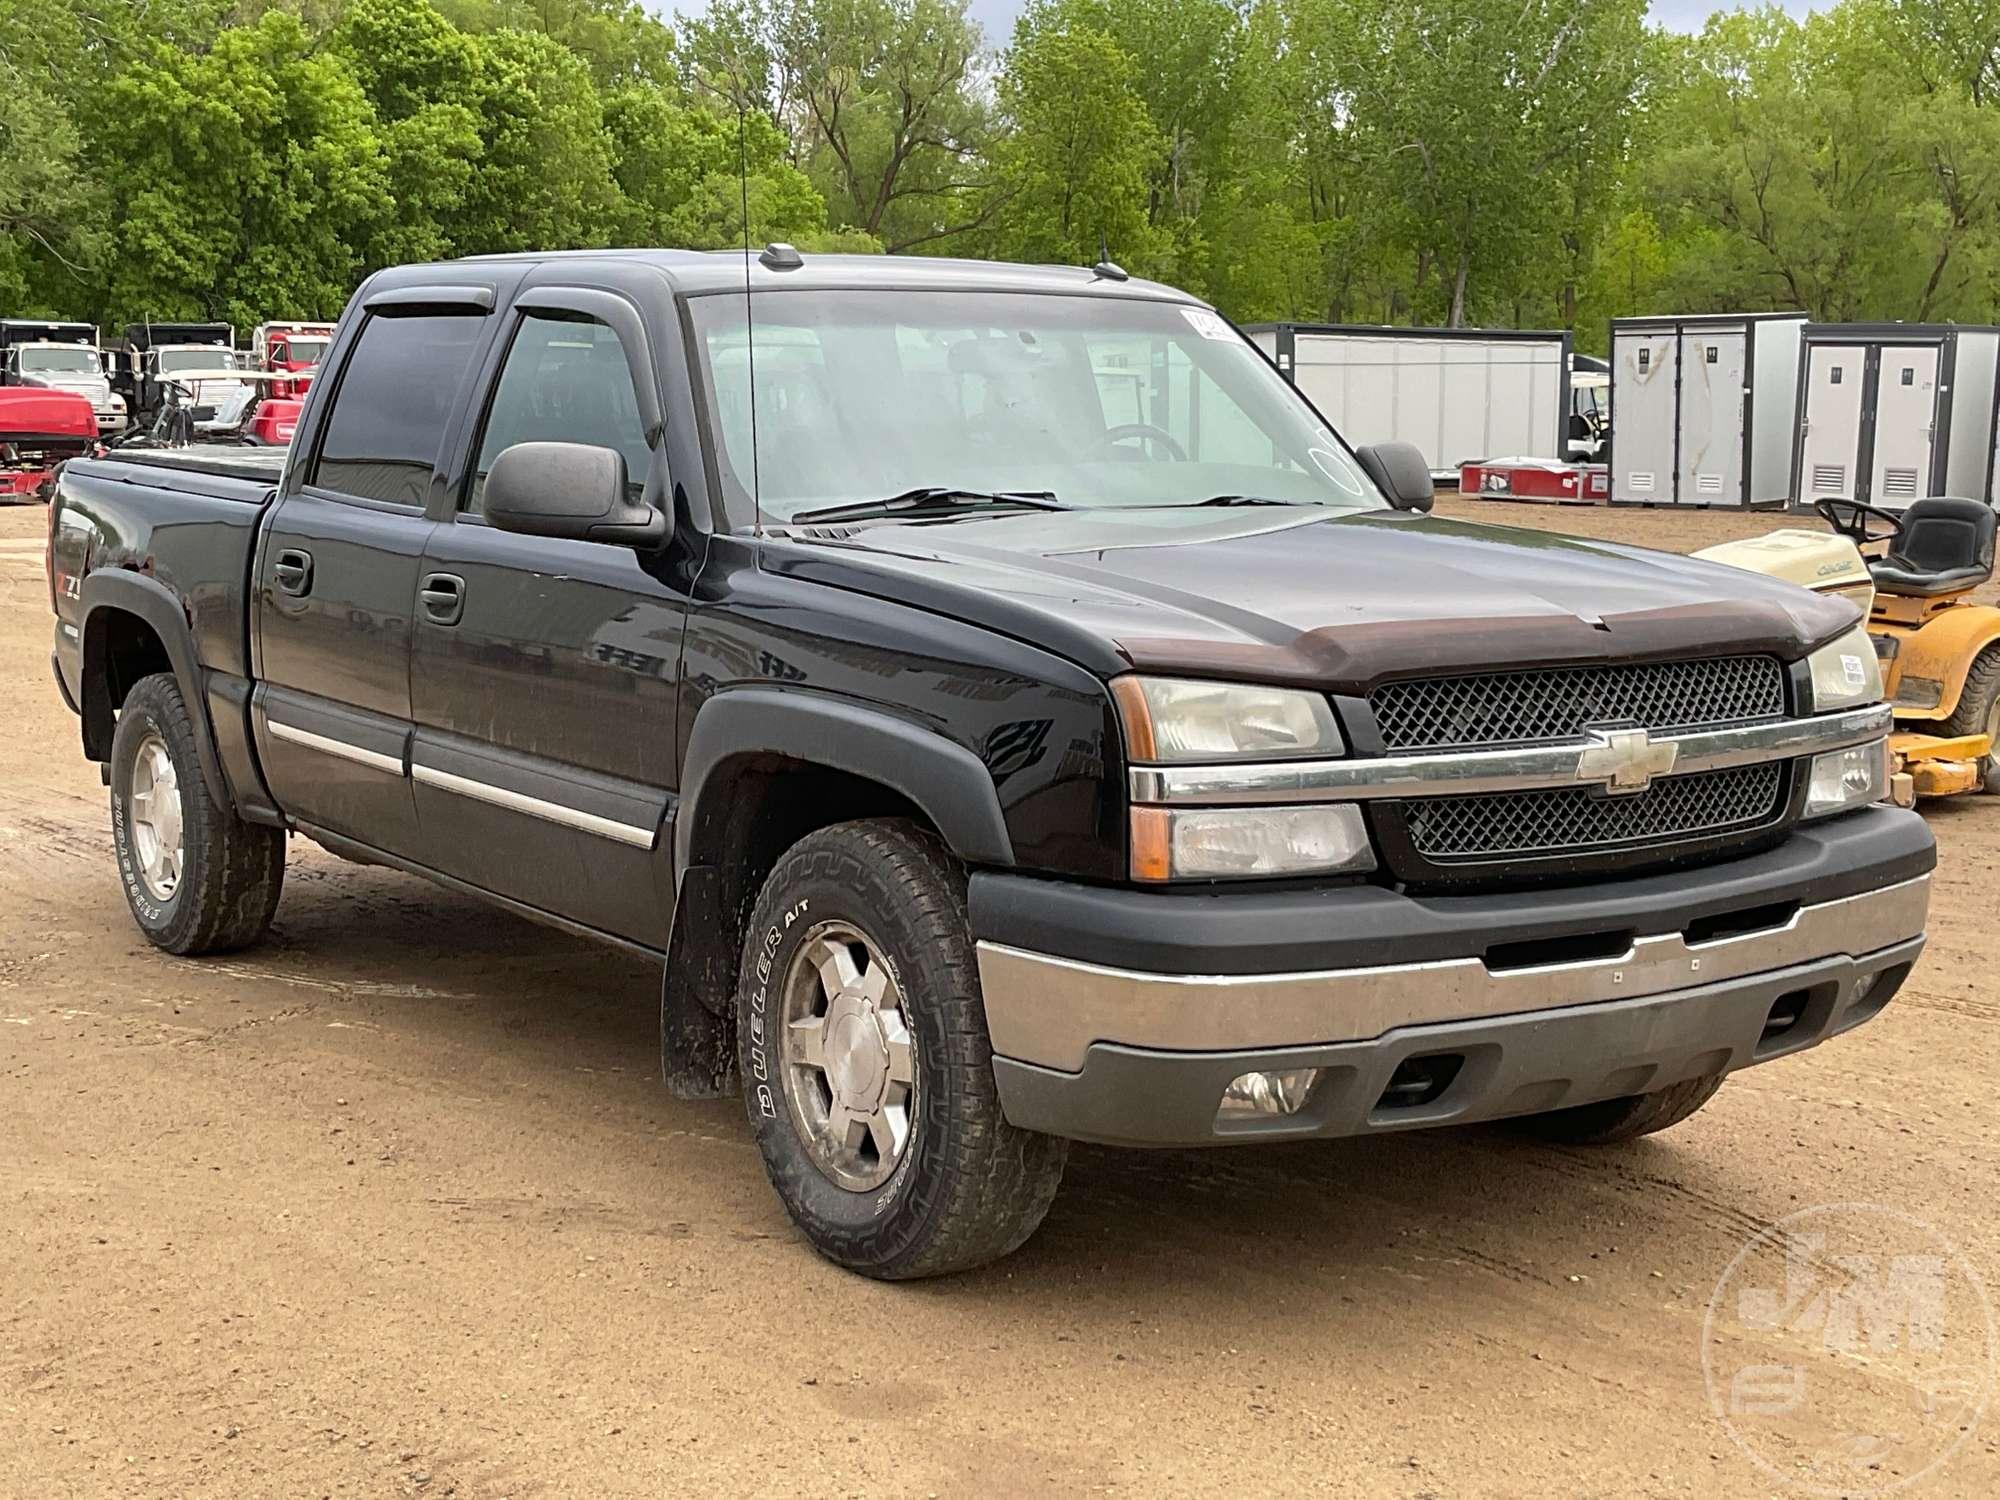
(1507, 708)
(1526, 823)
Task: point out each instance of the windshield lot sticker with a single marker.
(1209, 325)
(1336, 468)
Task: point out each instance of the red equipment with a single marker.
(38, 430)
(275, 421)
(1542, 479)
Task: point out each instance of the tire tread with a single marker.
(986, 1186)
(237, 868)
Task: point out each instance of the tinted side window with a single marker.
(388, 415)
(565, 381)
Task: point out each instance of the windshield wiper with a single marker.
(933, 499)
(1244, 500)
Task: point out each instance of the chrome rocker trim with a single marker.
(1049, 1010)
(373, 759)
(534, 807)
(1516, 769)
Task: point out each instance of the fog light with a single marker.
(1256, 1094)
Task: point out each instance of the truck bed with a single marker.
(261, 467)
(185, 521)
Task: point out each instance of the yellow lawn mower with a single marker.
(1939, 652)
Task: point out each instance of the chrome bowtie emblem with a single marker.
(1625, 760)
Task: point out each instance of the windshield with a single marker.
(60, 359)
(303, 351)
(198, 357)
(1100, 401)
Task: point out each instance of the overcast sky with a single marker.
(997, 16)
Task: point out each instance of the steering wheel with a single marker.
(1145, 432)
(1851, 519)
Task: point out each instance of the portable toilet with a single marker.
(1702, 408)
(1891, 412)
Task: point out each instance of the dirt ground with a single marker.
(395, 1204)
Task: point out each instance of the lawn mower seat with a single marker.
(1945, 547)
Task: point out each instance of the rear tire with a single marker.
(1978, 711)
(197, 877)
(867, 1068)
(1611, 1122)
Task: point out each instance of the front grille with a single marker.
(1510, 708)
(1519, 824)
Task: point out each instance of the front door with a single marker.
(546, 672)
(1645, 404)
(1713, 371)
(336, 574)
(1906, 396)
(1830, 441)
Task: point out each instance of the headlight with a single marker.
(1171, 719)
(1845, 672)
(1842, 779)
(1217, 843)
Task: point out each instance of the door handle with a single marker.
(443, 596)
(294, 571)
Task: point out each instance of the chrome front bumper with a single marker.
(1049, 1011)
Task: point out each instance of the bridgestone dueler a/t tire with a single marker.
(969, 1187)
(1613, 1121)
(232, 872)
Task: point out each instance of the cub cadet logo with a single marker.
(1625, 760)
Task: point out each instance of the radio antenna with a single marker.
(749, 320)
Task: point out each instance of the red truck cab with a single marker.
(294, 350)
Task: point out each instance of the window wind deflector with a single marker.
(929, 500)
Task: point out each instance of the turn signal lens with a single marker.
(1217, 843)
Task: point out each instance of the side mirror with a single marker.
(1401, 473)
(569, 490)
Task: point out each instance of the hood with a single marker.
(1297, 595)
(94, 386)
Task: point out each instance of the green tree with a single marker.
(684, 175)
(242, 181)
(1186, 70)
(544, 178)
(881, 99)
(423, 79)
(1079, 155)
(1814, 169)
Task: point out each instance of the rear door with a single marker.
(546, 672)
(1646, 365)
(337, 571)
(1714, 370)
(1830, 441)
(1906, 399)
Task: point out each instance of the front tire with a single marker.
(197, 877)
(1612, 1122)
(867, 1068)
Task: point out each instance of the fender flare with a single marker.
(1944, 648)
(947, 781)
(151, 601)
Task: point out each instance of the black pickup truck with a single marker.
(1007, 711)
